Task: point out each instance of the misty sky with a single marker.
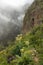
(6, 4)
(15, 3)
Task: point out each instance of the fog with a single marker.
(12, 13)
(15, 3)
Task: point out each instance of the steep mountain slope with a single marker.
(33, 16)
(26, 50)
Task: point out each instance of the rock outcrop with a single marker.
(33, 16)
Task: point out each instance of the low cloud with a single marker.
(15, 3)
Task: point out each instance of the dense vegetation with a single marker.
(26, 50)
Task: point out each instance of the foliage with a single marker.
(27, 49)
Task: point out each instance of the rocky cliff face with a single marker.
(33, 16)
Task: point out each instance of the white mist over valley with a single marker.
(12, 13)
